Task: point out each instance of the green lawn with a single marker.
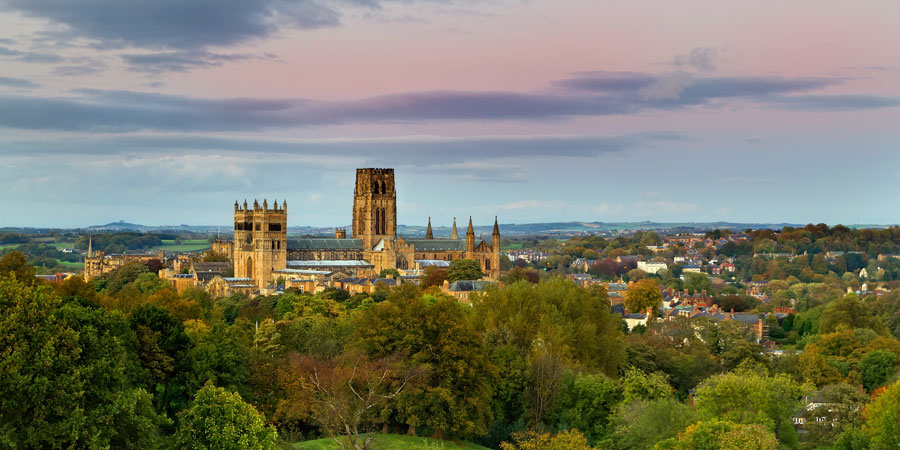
(71, 265)
(516, 246)
(394, 442)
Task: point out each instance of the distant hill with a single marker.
(483, 230)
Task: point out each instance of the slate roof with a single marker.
(324, 244)
(432, 262)
(468, 285)
(330, 263)
(427, 245)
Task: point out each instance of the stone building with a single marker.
(261, 246)
(97, 263)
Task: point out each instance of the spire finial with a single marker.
(428, 233)
(471, 229)
(453, 233)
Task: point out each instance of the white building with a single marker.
(652, 266)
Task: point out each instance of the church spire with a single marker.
(453, 233)
(471, 229)
(496, 227)
(90, 247)
(428, 233)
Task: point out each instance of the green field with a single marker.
(71, 265)
(394, 442)
(516, 246)
(187, 245)
(62, 245)
(6, 246)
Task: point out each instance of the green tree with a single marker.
(221, 356)
(639, 385)
(389, 272)
(219, 419)
(640, 424)
(697, 282)
(876, 368)
(747, 396)
(643, 295)
(64, 375)
(456, 394)
(464, 269)
(849, 312)
(16, 264)
(883, 419)
(716, 434)
(587, 402)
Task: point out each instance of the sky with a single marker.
(165, 112)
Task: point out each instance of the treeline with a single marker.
(128, 362)
(121, 242)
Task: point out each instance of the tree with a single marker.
(464, 269)
(640, 424)
(587, 402)
(531, 440)
(389, 272)
(841, 407)
(16, 264)
(345, 393)
(64, 375)
(883, 419)
(697, 282)
(639, 385)
(455, 395)
(433, 276)
(876, 368)
(643, 296)
(219, 419)
(747, 396)
(716, 434)
(850, 312)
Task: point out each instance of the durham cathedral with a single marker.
(261, 249)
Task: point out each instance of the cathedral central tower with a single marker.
(374, 206)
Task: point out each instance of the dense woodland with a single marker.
(127, 362)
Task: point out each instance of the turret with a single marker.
(235, 205)
(428, 233)
(284, 205)
(255, 204)
(265, 205)
(245, 204)
(453, 233)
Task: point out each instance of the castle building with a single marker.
(261, 247)
(97, 262)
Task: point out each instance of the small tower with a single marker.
(428, 233)
(470, 240)
(453, 233)
(374, 206)
(340, 233)
(495, 236)
(90, 247)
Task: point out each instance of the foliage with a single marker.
(65, 377)
(722, 435)
(643, 295)
(641, 423)
(876, 368)
(883, 419)
(394, 442)
(587, 402)
(564, 440)
(849, 312)
(464, 269)
(14, 264)
(219, 419)
(389, 272)
(748, 396)
(433, 276)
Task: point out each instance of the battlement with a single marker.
(264, 208)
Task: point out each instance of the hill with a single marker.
(394, 442)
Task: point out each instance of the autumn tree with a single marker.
(433, 276)
(643, 296)
(532, 440)
(15, 264)
(717, 434)
(883, 419)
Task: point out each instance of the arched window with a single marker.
(374, 187)
(249, 271)
(383, 189)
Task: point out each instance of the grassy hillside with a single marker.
(188, 245)
(394, 442)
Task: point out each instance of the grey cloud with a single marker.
(6, 41)
(583, 95)
(835, 102)
(410, 151)
(32, 57)
(181, 24)
(17, 83)
(179, 61)
(701, 58)
(80, 70)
